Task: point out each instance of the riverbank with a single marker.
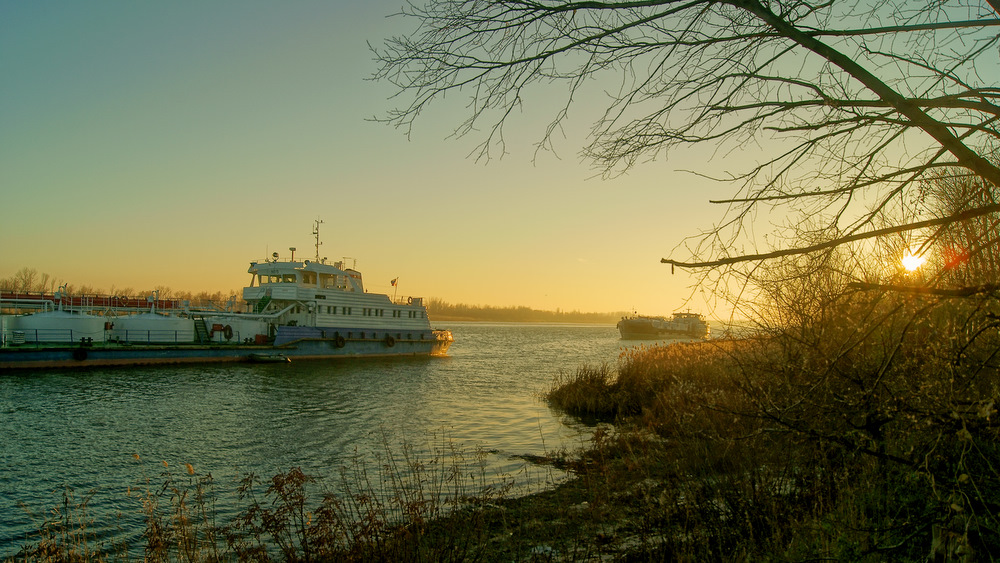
(836, 439)
(597, 515)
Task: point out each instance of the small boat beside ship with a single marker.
(685, 325)
(292, 309)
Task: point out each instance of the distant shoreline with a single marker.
(439, 311)
(440, 320)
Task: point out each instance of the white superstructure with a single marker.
(316, 294)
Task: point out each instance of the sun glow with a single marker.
(911, 262)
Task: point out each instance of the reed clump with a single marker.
(64, 533)
(866, 432)
(393, 511)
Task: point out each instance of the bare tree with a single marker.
(855, 108)
(852, 104)
(24, 280)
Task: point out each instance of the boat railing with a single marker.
(155, 336)
(18, 302)
(70, 337)
(15, 337)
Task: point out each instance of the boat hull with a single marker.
(34, 356)
(658, 328)
(641, 334)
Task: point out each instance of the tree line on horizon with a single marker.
(440, 310)
(30, 280)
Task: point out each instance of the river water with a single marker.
(88, 430)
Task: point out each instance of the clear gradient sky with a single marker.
(171, 143)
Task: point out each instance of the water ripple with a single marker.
(77, 432)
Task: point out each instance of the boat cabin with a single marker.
(308, 274)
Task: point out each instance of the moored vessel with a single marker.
(685, 325)
(307, 309)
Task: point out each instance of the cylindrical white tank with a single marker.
(151, 327)
(59, 326)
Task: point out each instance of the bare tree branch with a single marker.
(970, 214)
(852, 103)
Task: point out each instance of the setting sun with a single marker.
(911, 262)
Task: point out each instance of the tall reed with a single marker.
(867, 431)
(389, 511)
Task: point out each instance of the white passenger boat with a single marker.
(292, 309)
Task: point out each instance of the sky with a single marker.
(169, 144)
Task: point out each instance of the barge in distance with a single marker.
(291, 310)
(680, 326)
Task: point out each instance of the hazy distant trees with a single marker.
(28, 280)
(849, 107)
(440, 310)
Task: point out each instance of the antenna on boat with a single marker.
(316, 225)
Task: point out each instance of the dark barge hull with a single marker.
(639, 334)
(685, 326)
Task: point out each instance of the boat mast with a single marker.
(316, 225)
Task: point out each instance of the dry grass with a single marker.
(869, 433)
(385, 514)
